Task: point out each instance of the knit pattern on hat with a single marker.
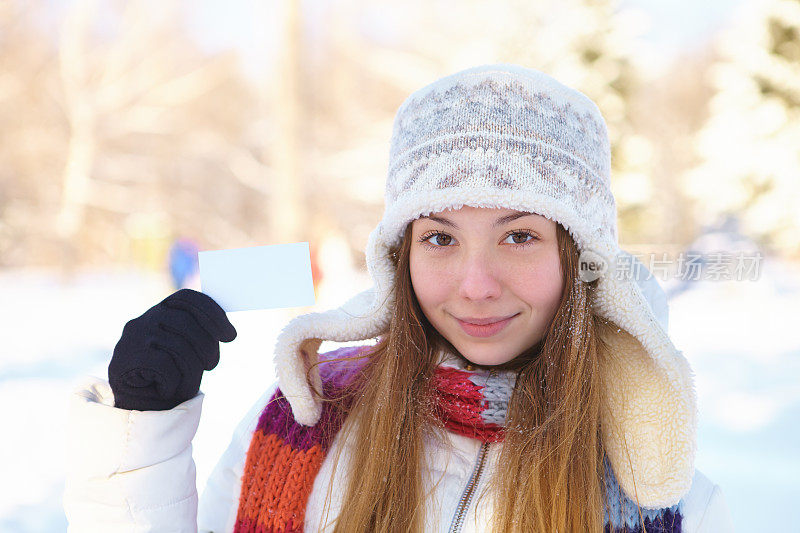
(505, 133)
(284, 457)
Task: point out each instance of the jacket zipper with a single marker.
(466, 496)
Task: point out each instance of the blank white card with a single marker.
(258, 277)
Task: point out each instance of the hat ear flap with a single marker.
(309, 355)
(648, 415)
(651, 290)
(364, 316)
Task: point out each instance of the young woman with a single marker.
(523, 379)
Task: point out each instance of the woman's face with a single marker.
(480, 263)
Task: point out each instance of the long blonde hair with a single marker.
(552, 474)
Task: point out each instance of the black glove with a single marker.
(159, 360)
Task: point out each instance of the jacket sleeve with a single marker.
(219, 503)
(705, 509)
(717, 515)
(129, 470)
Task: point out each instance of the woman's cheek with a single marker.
(545, 284)
(429, 283)
(420, 276)
(555, 284)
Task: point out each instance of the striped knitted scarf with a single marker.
(284, 457)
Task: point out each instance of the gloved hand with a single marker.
(159, 360)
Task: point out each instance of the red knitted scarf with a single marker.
(284, 457)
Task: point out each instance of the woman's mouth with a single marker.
(493, 326)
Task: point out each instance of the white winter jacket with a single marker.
(132, 471)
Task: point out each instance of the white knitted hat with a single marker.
(511, 137)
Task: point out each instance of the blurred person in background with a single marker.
(184, 267)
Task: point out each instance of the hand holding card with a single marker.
(258, 277)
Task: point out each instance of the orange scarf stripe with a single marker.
(278, 483)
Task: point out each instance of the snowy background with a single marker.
(740, 337)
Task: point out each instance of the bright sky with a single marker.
(678, 24)
(675, 24)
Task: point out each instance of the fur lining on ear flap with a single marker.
(651, 290)
(649, 412)
(637, 414)
(293, 358)
(309, 353)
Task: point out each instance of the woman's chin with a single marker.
(487, 361)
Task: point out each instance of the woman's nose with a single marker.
(479, 278)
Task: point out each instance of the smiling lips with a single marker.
(484, 321)
(484, 327)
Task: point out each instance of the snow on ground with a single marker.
(740, 338)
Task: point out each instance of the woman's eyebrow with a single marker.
(499, 222)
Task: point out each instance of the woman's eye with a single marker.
(520, 237)
(440, 239)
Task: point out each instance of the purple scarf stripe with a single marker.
(277, 418)
(667, 522)
(340, 372)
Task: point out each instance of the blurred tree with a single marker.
(31, 134)
(665, 116)
(131, 136)
(750, 145)
(141, 103)
(286, 104)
